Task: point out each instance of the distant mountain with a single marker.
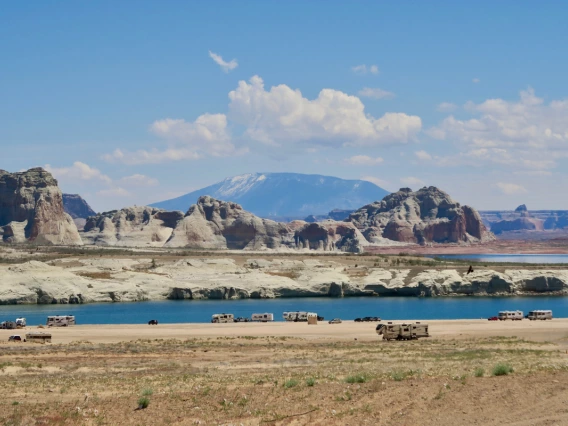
(278, 195)
(76, 207)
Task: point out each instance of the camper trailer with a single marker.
(20, 322)
(392, 331)
(539, 315)
(263, 317)
(60, 321)
(38, 337)
(8, 325)
(295, 316)
(510, 315)
(221, 318)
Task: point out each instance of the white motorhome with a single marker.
(60, 321)
(263, 317)
(510, 315)
(20, 322)
(221, 318)
(296, 316)
(540, 315)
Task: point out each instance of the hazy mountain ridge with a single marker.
(285, 194)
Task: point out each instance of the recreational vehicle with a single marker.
(539, 315)
(392, 331)
(8, 325)
(263, 317)
(36, 337)
(510, 315)
(60, 321)
(219, 318)
(295, 316)
(20, 322)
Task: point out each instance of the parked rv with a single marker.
(222, 318)
(295, 316)
(392, 331)
(263, 317)
(20, 322)
(510, 315)
(8, 325)
(60, 321)
(37, 337)
(539, 315)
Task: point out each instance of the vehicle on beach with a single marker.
(38, 337)
(16, 338)
(493, 319)
(295, 316)
(510, 315)
(222, 318)
(60, 320)
(153, 322)
(8, 325)
(539, 315)
(242, 319)
(266, 317)
(335, 321)
(367, 319)
(392, 331)
(20, 322)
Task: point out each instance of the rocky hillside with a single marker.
(425, 216)
(76, 207)
(84, 280)
(285, 195)
(31, 209)
(216, 224)
(521, 219)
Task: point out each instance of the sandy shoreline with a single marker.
(555, 330)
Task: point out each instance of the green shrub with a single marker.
(479, 372)
(398, 376)
(502, 369)
(147, 392)
(143, 402)
(290, 383)
(357, 378)
(310, 381)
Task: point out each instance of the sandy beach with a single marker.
(554, 330)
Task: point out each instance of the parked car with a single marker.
(358, 319)
(16, 338)
(375, 319)
(493, 319)
(320, 318)
(153, 322)
(242, 319)
(335, 321)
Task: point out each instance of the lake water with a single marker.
(396, 308)
(507, 258)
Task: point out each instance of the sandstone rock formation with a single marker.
(131, 227)
(215, 224)
(425, 216)
(85, 280)
(520, 220)
(31, 209)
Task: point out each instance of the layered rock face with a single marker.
(128, 280)
(425, 216)
(76, 207)
(131, 227)
(215, 224)
(519, 220)
(31, 210)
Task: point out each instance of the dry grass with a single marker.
(276, 380)
(96, 275)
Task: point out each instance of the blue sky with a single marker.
(134, 102)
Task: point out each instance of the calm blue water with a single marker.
(517, 258)
(395, 308)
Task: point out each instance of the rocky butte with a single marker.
(31, 210)
(425, 216)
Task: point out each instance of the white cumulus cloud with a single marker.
(225, 66)
(364, 160)
(510, 188)
(139, 180)
(282, 115)
(423, 155)
(364, 69)
(446, 107)
(78, 171)
(375, 93)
